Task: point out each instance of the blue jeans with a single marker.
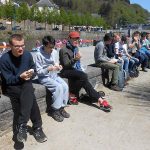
(126, 63)
(133, 62)
(59, 89)
(145, 51)
(143, 58)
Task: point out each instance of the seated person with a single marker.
(101, 60)
(134, 49)
(72, 70)
(47, 70)
(144, 41)
(17, 69)
(122, 54)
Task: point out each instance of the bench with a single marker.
(6, 112)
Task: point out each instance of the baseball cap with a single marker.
(74, 34)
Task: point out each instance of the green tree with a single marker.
(32, 15)
(9, 11)
(23, 13)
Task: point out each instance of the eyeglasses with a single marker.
(18, 46)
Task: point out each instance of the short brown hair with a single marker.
(18, 37)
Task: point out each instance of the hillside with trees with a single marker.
(119, 12)
(106, 13)
(114, 11)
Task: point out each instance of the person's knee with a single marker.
(83, 76)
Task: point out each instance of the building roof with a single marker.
(45, 3)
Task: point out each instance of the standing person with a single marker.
(72, 70)
(47, 65)
(101, 60)
(17, 69)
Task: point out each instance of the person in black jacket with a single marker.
(70, 60)
(17, 69)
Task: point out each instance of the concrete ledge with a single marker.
(6, 112)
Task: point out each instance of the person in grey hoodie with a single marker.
(47, 66)
(101, 60)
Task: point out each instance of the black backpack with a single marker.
(135, 72)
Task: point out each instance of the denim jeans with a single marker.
(126, 63)
(59, 89)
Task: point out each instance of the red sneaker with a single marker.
(105, 106)
(73, 101)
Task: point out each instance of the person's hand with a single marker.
(136, 39)
(54, 68)
(77, 56)
(51, 68)
(26, 75)
(58, 67)
(113, 61)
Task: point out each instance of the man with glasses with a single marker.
(47, 65)
(17, 69)
(72, 70)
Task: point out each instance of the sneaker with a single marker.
(64, 113)
(22, 133)
(73, 101)
(55, 114)
(115, 88)
(39, 135)
(105, 106)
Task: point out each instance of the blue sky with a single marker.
(144, 3)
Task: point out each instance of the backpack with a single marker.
(134, 72)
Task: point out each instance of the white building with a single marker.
(46, 3)
(3, 1)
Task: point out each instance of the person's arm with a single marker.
(99, 54)
(116, 48)
(41, 68)
(7, 73)
(66, 60)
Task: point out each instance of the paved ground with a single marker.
(127, 127)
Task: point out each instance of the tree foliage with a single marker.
(78, 12)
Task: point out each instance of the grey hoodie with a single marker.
(100, 54)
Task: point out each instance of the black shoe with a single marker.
(55, 114)
(39, 135)
(64, 113)
(22, 133)
(115, 88)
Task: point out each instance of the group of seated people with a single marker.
(119, 52)
(50, 65)
(18, 69)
